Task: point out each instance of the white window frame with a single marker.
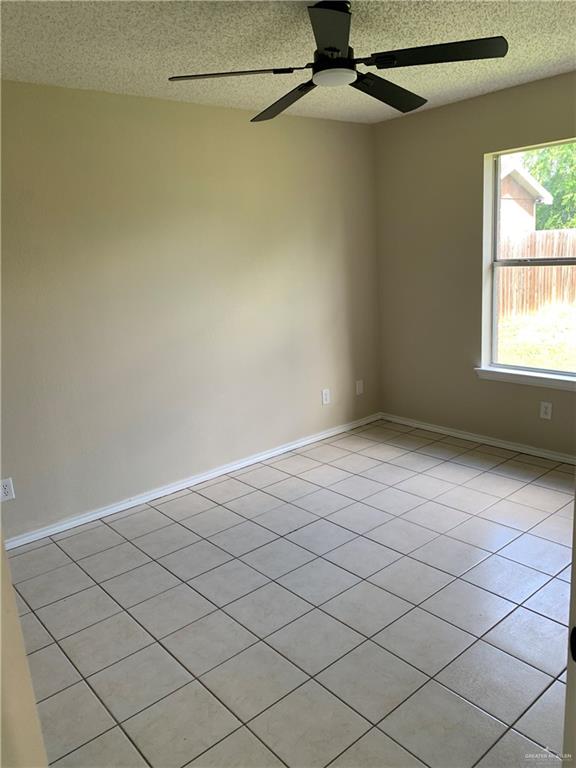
(488, 369)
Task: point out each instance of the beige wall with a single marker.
(178, 286)
(430, 240)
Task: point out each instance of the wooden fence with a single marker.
(523, 290)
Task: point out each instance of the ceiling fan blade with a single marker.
(284, 102)
(275, 71)
(389, 93)
(331, 26)
(464, 50)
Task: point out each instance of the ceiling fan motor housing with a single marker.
(333, 70)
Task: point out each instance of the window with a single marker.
(530, 266)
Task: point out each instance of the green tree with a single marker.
(555, 168)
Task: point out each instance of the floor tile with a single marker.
(323, 502)
(194, 560)
(435, 516)
(291, 489)
(228, 582)
(285, 519)
(385, 452)
(77, 612)
(484, 534)
(50, 671)
(318, 581)
(547, 648)
(357, 487)
(478, 459)
(138, 681)
(468, 607)
(262, 476)
(23, 548)
(309, 727)
(425, 485)
(366, 608)
(494, 681)
(453, 473)
(401, 535)
(371, 680)
(178, 728)
(54, 585)
(21, 606)
(506, 578)
(171, 610)
(208, 642)
(243, 538)
(295, 464)
(277, 558)
(253, 680)
(565, 575)
(546, 555)
(552, 601)
(142, 522)
(321, 536)
(424, 641)
(555, 528)
(410, 579)
(111, 750)
(239, 750)
(356, 463)
(359, 517)
(254, 504)
(450, 555)
(314, 641)
(519, 470)
(34, 634)
(353, 443)
(105, 643)
(393, 501)
(36, 562)
(514, 515)
(226, 490)
(114, 561)
(362, 556)
(558, 481)
(92, 541)
(166, 540)
(267, 609)
(546, 499)
(495, 485)
(511, 751)
(186, 506)
(123, 513)
(388, 474)
(415, 461)
(169, 497)
(376, 750)
(71, 718)
(139, 584)
(325, 453)
(544, 721)
(467, 499)
(326, 475)
(212, 521)
(451, 732)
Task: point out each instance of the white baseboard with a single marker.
(532, 450)
(155, 493)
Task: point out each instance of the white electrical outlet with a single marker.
(6, 490)
(360, 387)
(325, 397)
(545, 410)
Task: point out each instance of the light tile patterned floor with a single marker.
(389, 597)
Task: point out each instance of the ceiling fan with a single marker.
(334, 63)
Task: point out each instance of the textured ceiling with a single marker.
(132, 47)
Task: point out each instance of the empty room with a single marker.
(288, 384)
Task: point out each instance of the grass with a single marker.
(542, 339)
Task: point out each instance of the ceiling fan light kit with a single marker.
(334, 63)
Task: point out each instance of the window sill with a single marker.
(536, 379)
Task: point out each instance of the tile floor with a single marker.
(388, 597)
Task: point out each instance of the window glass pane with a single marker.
(537, 203)
(535, 317)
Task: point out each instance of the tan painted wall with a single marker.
(431, 258)
(178, 286)
(22, 743)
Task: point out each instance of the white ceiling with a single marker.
(132, 47)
